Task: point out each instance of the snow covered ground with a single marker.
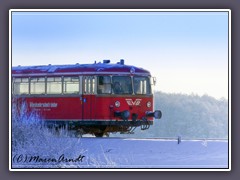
(125, 153)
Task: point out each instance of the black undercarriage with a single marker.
(99, 128)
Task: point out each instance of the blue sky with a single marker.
(186, 51)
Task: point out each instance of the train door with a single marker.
(88, 97)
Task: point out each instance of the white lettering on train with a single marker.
(43, 105)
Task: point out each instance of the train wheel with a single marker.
(99, 134)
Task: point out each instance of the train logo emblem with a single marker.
(130, 102)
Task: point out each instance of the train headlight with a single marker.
(117, 104)
(132, 70)
(149, 104)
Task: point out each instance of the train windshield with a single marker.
(122, 85)
(114, 85)
(104, 85)
(141, 85)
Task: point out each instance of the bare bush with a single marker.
(40, 147)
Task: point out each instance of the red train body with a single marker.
(97, 98)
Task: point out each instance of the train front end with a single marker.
(125, 100)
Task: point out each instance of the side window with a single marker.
(88, 84)
(20, 86)
(71, 85)
(54, 85)
(37, 85)
(104, 85)
(142, 85)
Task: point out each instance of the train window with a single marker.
(54, 85)
(20, 86)
(122, 85)
(93, 85)
(37, 85)
(141, 85)
(71, 85)
(89, 84)
(104, 85)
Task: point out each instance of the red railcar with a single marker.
(97, 98)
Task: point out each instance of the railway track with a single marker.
(159, 138)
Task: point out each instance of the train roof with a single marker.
(79, 69)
